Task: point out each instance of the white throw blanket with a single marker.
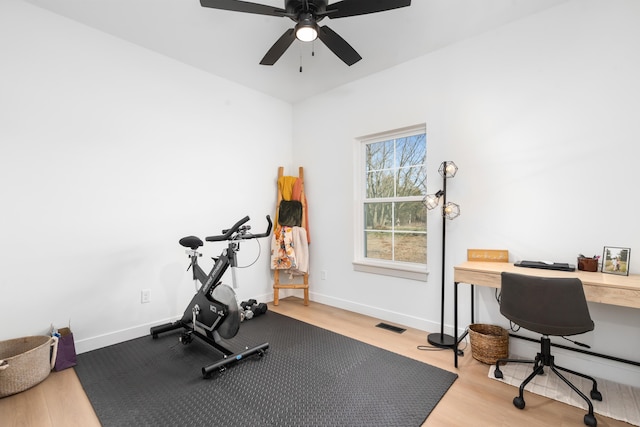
(290, 250)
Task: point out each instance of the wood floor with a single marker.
(474, 399)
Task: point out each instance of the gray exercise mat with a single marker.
(309, 376)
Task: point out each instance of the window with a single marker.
(391, 228)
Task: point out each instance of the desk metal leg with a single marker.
(457, 339)
(455, 324)
(472, 304)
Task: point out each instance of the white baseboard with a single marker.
(403, 319)
(94, 343)
(116, 337)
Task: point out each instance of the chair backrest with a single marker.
(547, 305)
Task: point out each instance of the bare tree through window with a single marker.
(394, 215)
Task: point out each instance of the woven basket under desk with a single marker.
(488, 342)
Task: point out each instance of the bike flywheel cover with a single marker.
(230, 325)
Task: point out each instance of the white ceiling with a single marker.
(231, 44)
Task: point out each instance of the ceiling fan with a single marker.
(306, 14)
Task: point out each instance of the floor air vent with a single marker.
(390, 327)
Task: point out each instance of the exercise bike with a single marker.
(213, 313)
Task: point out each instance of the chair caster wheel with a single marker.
(498, 373)
(518, 402)
(590, 420)
(596, 395)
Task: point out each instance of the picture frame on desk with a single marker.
(615, 260)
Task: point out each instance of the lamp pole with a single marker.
(441, 339)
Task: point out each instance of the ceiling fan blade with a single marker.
(243, 6)
(338, 45)
(345, 8)
(279, 47)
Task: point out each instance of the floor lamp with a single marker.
(450, 211)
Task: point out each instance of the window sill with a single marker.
(394, 269)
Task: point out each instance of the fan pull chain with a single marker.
(313, 52)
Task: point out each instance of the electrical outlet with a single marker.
(145, 296)
(323, 275)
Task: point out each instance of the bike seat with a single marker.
(192, 242)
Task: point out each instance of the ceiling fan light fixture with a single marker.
(306, 14)
(306, 28)
(306, 34)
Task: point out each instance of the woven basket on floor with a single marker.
(488, 343)
(25, 362)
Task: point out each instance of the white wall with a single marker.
(110, 154)
(541, 118)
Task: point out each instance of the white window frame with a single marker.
(407, 270)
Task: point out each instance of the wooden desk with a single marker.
(598, 287)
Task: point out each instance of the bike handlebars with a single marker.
(226, 234)
(266, 233)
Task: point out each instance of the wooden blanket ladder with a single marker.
(277, 285)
